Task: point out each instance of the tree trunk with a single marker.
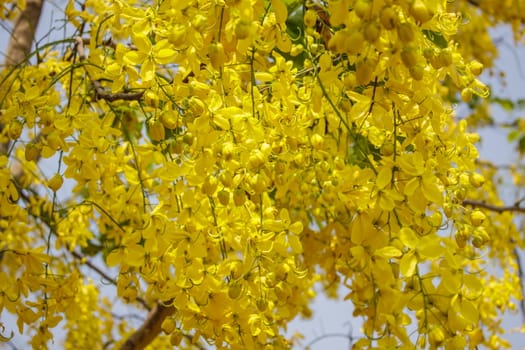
(21, 41)
(24, 33)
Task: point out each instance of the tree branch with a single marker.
(520, 275)
(125, 96)
(24, 33)
(330, 335)
(511, 208)
(149, 330)
(100, 92)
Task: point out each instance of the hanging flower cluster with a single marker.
(219, 157)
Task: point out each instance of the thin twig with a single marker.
(106, 276)
(329, 335)
(490, 165)
(498, 209)
(520, 275)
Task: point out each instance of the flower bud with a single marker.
(310, 18)
(32, 152)
(420, 11)
(388, 18)
(156, 130)
(405, 32)
(55, 182)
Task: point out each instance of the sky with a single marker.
(494, 145)
(333, 319)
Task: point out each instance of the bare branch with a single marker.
(499, 209)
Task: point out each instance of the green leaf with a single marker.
(521, 145)
(295, 24)
(505, 103)
(513, 135)
(436, 38)
(92, 248)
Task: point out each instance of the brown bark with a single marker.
(149, 330)
(24, 33)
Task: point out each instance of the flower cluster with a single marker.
(219, 157)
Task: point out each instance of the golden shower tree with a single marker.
(207, 162)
